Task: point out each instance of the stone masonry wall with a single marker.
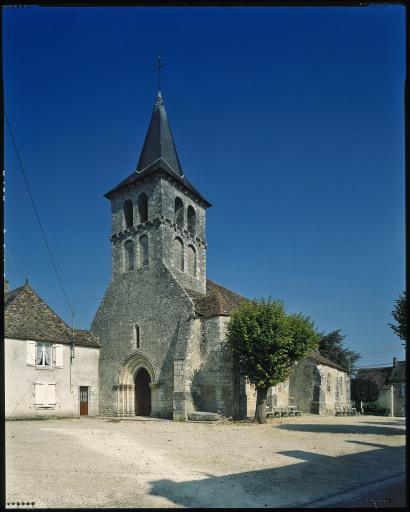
(212, 382)
(153, 300)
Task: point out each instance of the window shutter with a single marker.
(40, 395)
(59, 354)
(31, 353)
(51, 394)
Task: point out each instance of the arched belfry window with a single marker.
(143, 207)
(129, 255)
(191, 218)
(191, 261)
(178, 254)
(143, 250)
(179, 211)
(128, 209)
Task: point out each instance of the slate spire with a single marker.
(159, 142)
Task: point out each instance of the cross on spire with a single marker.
(158, 68)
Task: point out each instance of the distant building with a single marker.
(45, 374)
(391, 382)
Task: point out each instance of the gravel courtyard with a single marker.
(97, 462)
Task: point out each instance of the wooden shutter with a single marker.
(40, 394)
(51, 394)
(31, 353)
(59, 356)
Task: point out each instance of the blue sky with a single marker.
(290, 121)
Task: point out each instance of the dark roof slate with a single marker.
(27, 316)
(159, 142)
(398, 372)
(159, 154)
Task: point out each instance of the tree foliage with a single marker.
(399, 313)
(267, 342)
(331, 346)
(365, 387)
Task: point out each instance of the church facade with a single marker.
(161, 323)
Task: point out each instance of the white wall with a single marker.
(20, 379)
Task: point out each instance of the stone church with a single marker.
(161, 323)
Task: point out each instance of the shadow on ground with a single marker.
(307, 477)
(400, 423)
(362, 428)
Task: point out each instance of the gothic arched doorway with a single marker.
(142, 393)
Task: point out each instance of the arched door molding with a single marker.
(131, 365)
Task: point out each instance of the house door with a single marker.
(83, 401)
(142, 393)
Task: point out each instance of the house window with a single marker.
(45, 395)
(44, 355)
(402, 391)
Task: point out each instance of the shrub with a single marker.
(376, 409)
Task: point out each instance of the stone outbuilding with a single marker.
(161, 322)
(46, 373)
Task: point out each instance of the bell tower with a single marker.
(158, 217)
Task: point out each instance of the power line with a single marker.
(381, 352)
(372, 366)
(37, 215)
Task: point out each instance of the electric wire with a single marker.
(38, 216)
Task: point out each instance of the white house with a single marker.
(46, 373)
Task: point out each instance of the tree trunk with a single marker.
(260, 412)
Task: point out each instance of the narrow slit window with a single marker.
(137, 336)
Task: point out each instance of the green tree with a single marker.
(365, 386)
(399, 313)
(331, 346)
(267, 342)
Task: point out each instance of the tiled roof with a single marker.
(27, 316)
(318, 358)
(380, 375)
(218, 301)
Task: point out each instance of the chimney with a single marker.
(6, 286)
(394, 361)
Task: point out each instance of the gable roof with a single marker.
(318, 358)
(27, 316)
(159, 153)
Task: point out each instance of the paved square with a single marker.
(96, 462)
